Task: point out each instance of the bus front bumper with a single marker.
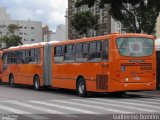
(145, 86)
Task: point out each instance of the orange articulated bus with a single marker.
(112, 63)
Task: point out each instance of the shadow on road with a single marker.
(128, 95)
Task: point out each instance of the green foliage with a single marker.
(140, 18)
(10, 39)
(90, 3)
(84, 21)
(12, 28)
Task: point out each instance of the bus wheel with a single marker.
(11, 80)
(36, 83)
(81, 88)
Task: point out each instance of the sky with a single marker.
(50, 12)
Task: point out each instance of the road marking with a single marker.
(24, 113)
(157, 100)
(44, 109)
(7, 101)
(65, 107)
(115, 105)
(37, 107)
(91, 106)
(142, 101)
(128, 103)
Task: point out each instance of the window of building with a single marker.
(32, 28)
(104, 20)
(25, 27)
(32, 40)
(69, 53)
(25, 33)
(118, 24)
(58, 54)
(20, 33)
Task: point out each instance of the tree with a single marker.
(141, 17)
(11, 39)
(84, 21)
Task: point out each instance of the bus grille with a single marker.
(102, 82)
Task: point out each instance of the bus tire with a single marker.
(11, 80)
(36, 83)
(81, 87)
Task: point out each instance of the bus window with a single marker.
(26, 56)
(105, 48)
(32, 56)
(12, 57)
(23, 57)
(81, 52)
(18, 57)
(69, 53)
(95, 50)
(135, 47)
(9, 57)
(5, 61)
(38, 56)
(58, 54)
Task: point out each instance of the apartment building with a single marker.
(3, 14)
(106, 23)
(157, 29)
(30, 31)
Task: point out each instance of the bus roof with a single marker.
(36, 45)
(105, 37)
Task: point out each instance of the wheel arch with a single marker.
(35, 76)
(80, 76)
(10, 74)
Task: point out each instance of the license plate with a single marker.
(137, 78)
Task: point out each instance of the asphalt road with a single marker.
(24, 103)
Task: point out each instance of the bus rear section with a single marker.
(135, 64)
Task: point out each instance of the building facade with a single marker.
(60, 33)
(3, 14)
(157, 29)
(30, 31)
(106, 23)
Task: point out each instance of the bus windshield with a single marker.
(135, 47)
